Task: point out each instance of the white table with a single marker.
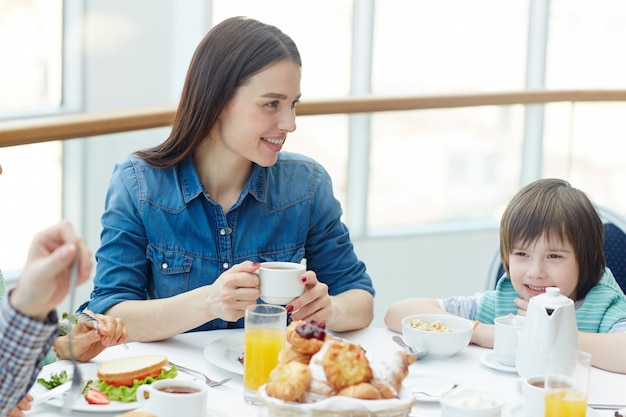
(465, 367)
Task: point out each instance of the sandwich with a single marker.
(119, 379)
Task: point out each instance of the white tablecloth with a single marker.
(464, 368)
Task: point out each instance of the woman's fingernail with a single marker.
(289, 308)
(255, 263)
(303, 278)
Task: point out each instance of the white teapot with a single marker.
(550, 324)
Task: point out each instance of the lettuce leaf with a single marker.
(55, 380)
(128, 394)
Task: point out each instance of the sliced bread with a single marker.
(124, 371)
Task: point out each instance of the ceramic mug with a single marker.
(279, 282)
(507, 329)
(174, 398)
(532, 391)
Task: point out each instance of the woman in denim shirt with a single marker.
(187, 222)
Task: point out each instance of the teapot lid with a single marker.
(552, 298)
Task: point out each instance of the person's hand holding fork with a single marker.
(92, 337)
(44, 282)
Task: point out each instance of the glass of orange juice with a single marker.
(567, 383)
(264, 337)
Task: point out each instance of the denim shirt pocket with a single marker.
(170, 269)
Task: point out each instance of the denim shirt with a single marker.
(163, 234)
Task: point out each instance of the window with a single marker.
(30, 44)
(423, 168)
(456, 165)
(30, 84)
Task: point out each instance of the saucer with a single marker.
(517, 410)
(489, 360)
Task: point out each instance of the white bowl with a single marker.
(470, 403)
(438, 344)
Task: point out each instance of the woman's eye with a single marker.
(272, 104)
(295, 104)
(554, 256)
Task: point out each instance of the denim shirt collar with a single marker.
(192, 187)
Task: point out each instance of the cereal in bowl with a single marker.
(435, 326)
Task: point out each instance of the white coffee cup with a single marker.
(279, 282)
(174, 398)
(532, 392)
(507, 329)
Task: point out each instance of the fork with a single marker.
(77, 375)
(82, 317)
(209, 381)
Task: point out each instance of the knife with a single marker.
(54, 392)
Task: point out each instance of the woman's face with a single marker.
(255, 123)
(543, 264)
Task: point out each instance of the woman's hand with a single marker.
(88, 341)
(23, 405)
(314, 303)
(350, 310)
(233, 291)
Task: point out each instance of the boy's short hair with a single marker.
(552, 207)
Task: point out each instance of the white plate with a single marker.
(489, 360)
(89, 371)
(517, 410)
(226, 352)
(435, 384)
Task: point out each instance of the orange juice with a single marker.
(565, 403)
(260, 355)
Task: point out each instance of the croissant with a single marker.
(387, 376)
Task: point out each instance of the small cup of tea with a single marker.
(174, 398)
(532, 391)
(279, 282)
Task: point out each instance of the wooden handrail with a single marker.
(43, 129)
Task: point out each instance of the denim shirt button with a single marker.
(222, 232)
(164, 265)
(225, 265)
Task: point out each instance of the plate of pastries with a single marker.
(318, 374)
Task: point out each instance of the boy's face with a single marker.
(543, 264)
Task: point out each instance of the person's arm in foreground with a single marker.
(28, 320)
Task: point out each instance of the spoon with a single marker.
(400, 341)
(437, 393)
